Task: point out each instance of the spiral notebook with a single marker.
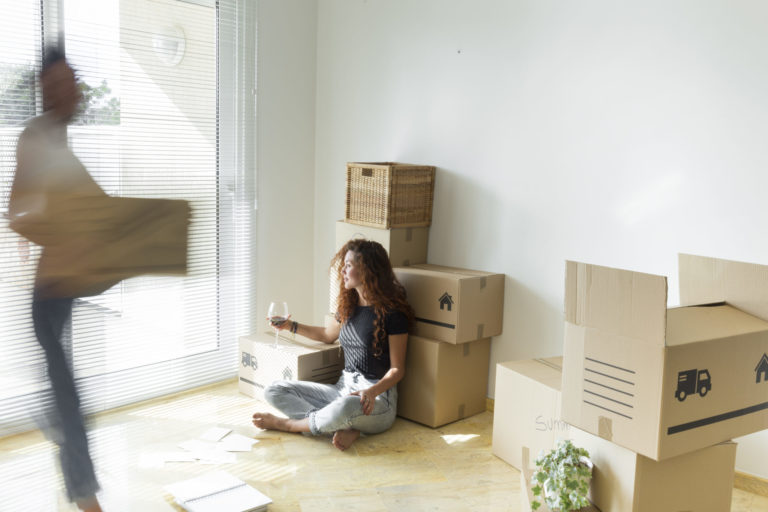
(218, 492)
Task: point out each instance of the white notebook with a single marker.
(218, 492)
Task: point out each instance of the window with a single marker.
(168, 112)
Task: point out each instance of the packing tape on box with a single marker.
(605, 428)
(461, 411)
(409, 234)
(326, 357)
(466, 349)
(480, 328)
(482, 283)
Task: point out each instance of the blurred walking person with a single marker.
(46, 169)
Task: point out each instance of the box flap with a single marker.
(701, 323)
(617, 302)
(460, 273)
(706, 280)
(544, 371)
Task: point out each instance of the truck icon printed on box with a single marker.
(249, 360)
(693, 381)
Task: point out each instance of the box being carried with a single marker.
(405, 246)
(443, 382)
(664, 382)
(261, 362)
(528, 395)
(454, 305)
(389, 194)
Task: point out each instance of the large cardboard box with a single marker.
(93, 242)
(526, 409)
(622, 480)
(261, 362)
(443, 382)
(660, 382)
(405, 246)
(454, 305)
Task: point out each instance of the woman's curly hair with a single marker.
(382, 289)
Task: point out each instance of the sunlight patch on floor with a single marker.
(458, 438)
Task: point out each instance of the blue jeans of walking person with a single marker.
(330, 407)
(50, 317)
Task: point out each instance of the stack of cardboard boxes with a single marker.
(457, 310)
(654, 394)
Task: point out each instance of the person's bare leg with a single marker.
(343, 439)
(89, 505)
(267, 421)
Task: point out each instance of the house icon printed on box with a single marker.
(762, 369)
(446, 301)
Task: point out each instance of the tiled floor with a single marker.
(410, 467)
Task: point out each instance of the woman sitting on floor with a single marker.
(372, 323)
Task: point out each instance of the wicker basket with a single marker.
(389, 195)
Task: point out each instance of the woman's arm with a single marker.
(325, 334)
(398, 343)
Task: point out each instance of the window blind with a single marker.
(168, 112)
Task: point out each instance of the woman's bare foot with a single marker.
(267, 421)
(343, 439)
(89, 505)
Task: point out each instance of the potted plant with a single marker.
(562, 478)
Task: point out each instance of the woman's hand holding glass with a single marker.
(278, 317)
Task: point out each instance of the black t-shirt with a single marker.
(356, 338)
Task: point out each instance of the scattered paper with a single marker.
(218, 457)
(195, 445)
(215, 446)
(215, 434)
(237, 443)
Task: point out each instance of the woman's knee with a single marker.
(276, 390)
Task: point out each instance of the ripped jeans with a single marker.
(330, 407)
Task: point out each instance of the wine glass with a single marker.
(277, 315)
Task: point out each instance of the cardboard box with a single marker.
(526, 409)
(621, 480)
(405, 246)
(660, 382)
(93, 242)
(526, 495)
(443, 382)
(454, 305)
(706, 280)
(261, 362)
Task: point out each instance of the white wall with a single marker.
(285, 155)
(609, 132)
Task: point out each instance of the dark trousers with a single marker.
(50, 317)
